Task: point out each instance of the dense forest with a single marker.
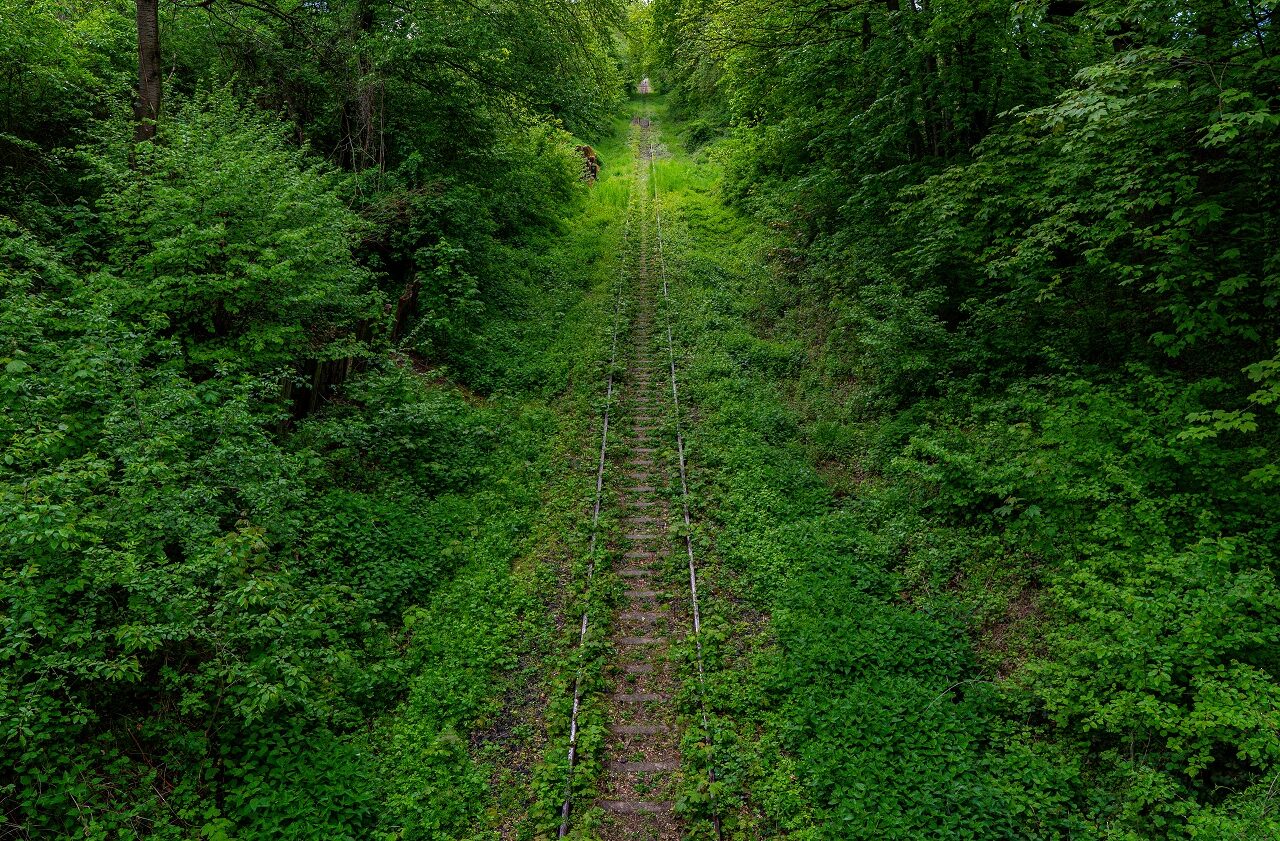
(1033, 253)
(210, 584)
(311, 313)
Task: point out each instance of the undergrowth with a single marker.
(329, 627)
(1028, 613)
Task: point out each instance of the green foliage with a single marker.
(63, 62)
(180, 588)
(252, 581)
(288, 395)
(225, 235)
(1011, 591)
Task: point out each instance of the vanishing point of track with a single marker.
(642, 764)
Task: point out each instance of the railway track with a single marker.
(642, 458)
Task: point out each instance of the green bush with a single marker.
(1000, 604)
(226, 236)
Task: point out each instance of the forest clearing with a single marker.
(600, 419)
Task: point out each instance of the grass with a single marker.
(475, 747)
(979, 616)
(841, 712)
(589, 252)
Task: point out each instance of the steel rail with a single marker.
(566, 807)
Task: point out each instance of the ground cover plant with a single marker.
(305, 307)
(287, 366)
(1021, 331)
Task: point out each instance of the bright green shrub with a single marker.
(1024, 603)
(223, 234)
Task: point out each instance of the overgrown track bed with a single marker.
(641, 458)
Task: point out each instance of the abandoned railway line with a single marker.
(642, 484)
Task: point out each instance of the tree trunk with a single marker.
(362, 112)
(148, 108)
